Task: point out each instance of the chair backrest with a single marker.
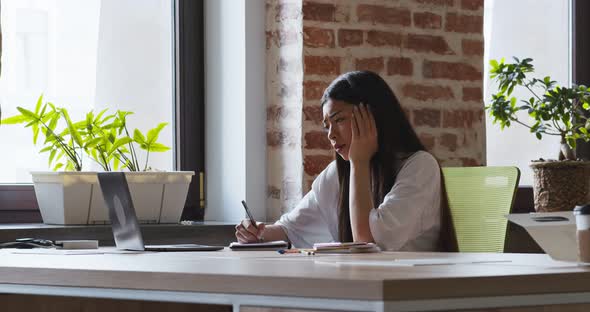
(479, 197)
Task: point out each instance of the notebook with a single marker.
(260, 246)
(125, 226)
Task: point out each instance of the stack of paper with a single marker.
(354, 247)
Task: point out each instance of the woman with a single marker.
(383, 187)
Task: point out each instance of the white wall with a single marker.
(538, 29)
(255, 128)
(235, 116)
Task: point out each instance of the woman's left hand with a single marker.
(364, 135)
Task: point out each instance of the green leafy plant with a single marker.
(103, 138)
(554, 110)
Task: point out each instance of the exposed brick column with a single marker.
(284, 72)
(429, 51)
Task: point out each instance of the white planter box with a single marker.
(75, 197)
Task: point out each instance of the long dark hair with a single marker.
(396, 137)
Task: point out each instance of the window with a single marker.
(116, 54)
(85, 56)
(539, 30)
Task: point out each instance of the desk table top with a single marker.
(352, 276)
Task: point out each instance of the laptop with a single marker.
(126, 231)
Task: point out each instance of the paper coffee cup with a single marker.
(582, 214)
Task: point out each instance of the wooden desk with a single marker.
(261, 278)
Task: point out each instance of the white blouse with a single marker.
(408, 219)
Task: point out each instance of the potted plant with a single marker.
(554, 110)
(73, 196)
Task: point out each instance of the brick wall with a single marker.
(429, 51)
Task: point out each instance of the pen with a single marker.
(309, 252)
(249, 214)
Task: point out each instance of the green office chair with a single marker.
(479, 197)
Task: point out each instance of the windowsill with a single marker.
(207, 232)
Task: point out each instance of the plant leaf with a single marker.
(18, 119)
(116, 163)
(89, 119)
(51, 156)
(51, 126)
(35, 133)
(571, 142)
(72, 128)
(494, 64)
(45, 149)
(152, 135)
(38, 106)
(118, 143)
(158, 147)
(27, 113)
(94, 154)
(97, 118)
(138, 137)
(60, 154)
(92, 143)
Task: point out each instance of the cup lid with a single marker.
(582, 210)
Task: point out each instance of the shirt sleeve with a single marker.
(412, 207)
(306, 223)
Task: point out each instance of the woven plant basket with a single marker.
(560, 185)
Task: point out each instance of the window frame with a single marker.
(18, 203)
(580, 61)
(190, 101)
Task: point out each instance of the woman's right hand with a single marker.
(247, 233)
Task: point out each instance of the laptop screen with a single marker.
(117, 198)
